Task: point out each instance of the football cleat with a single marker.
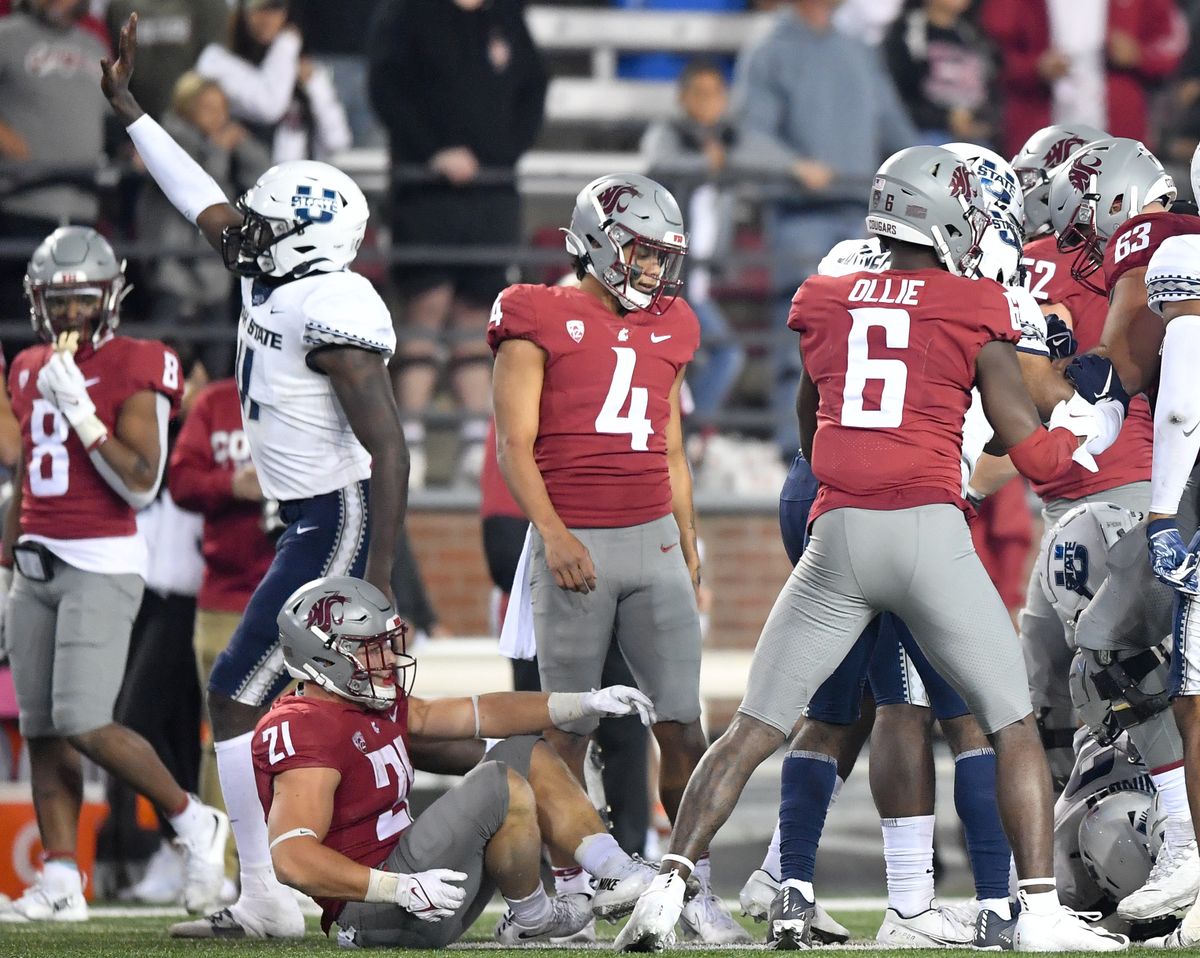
(618, 893)
(993, 933)
(706, 919)
(41, 902)
(789, 922)
(651, 927)
(1176, 939)
(204, 863)
(569, 914)
(760, 890)
(585, 936)
(162, 882)
(276, 917)
(936, 927)
(1063, 930)
(1173, 883)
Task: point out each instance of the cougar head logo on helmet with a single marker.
(627, 233)
(343, 634)
(75, 283)
(1043, 153)
(960, 183)
(301, 217)
(1106, 183)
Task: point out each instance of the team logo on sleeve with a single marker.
(312, 208)
(575, 329)
(360, 742)
(326, 612)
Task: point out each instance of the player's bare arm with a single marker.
(1132, 333)
(1046, 385)
(134, 452)
(517, 393)
(187, 186)
(12, 518)
(682, 506)
(360, 380)
(303, 799)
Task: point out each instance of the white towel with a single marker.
(517, 640)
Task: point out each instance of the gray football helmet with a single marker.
(928, 196)
(1043, 153)
(1104, 184)
(1113, 843)
(75, 283)
(622, 226)
(342, 634)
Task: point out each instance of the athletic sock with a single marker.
(192, 820)
(571, 881)
(61, 874)
(533, 910)
(1001, 906)
(1038, 903)
(908, 856)
(703, 873)
(235, 765)
(599, 854)
(806, 787)
(1172, 795)
(975, 802)
(770, 862)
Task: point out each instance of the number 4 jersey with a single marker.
(63, 496)
(601, 445)
(893, 357)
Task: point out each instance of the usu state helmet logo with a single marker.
(1074, 572)
(312, 208)
(575, 329)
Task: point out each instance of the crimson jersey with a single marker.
(893, 357)
(64, 497)
(367, 748)
(210, 448)
(1048, 276)
(601, 445)
(1134, 243)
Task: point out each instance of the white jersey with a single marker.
(300, 440)
(1173, 273)
(867, 255)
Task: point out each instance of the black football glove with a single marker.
(1095, 379)
(1060, 339)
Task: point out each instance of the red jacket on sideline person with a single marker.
(1021, 30)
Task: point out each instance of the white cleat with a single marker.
(1172, 884)
(760, 890)
(1176, 939)
(162, 882)
(585, 936)
(276, 917)
(651, 927)
(618, 893)
(1063, 930)
(706, 919)
(936, 927)
(43, 903)
(569, 914)
(204, 863)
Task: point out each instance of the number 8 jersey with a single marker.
(893, 357)
(601, 445)
(63, 496)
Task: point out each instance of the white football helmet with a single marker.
(300, 217)
(1004, 243)
(1113, 843)
(1074, 556)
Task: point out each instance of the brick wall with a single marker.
(745, 566)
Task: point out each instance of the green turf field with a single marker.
(141, 936)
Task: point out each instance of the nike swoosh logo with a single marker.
(1188, 432)
(659, 339)
(300, 530)
(91, 382)
(668, 548)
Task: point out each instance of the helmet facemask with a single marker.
(246, 248)
(977, 222)
(382, 671)
(96, 314)
(630, 275)
(1081, 234)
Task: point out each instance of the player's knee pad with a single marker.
(1116, 691)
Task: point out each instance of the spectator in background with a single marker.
(51, 116)
(460, 87)
(826, 99)
(867, 20)
(211, 473)
(171, 35)
(286, 100)
(335, 36)
(1082, 61)
(190, 286)
(942, 66)
(1181, 122)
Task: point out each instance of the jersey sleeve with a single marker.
(999, 316)
(1173, 274)
(288, 738)
(344, 309)
(194, 478)
(513, 317)
(1028, 315)
(156, 366)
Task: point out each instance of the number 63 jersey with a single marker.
(601, 446)
(893, 357)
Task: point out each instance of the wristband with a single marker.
(91, 432)
(565, 707)
(382, 887)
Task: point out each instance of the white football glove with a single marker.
(617, 700)
(1079, 417)
(429, 895)
(61, 384)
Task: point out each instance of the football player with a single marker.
(890, 360)
(333, 767)
(1110, 208)
(93, 409)
(586, 388)
(313, 342)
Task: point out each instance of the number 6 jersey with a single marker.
(601, 446)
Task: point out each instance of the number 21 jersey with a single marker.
(601, 446)
(893, 357)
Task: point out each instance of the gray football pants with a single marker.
(918, 563)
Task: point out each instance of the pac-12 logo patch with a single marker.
(360, 742)
(312, 208)
(575, 329)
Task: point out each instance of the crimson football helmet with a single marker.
(342, 634)
(75, 283)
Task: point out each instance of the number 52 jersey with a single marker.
(601, 446)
